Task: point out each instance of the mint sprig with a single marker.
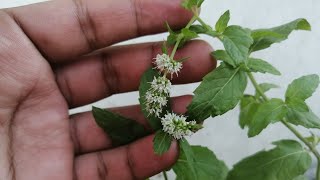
(221, 91)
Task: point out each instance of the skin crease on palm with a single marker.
(55, 56)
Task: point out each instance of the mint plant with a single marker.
(221, 91)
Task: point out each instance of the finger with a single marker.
(65, 29)
(119, 70)
(89, 137)
(135, 161)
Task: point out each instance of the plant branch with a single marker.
(310, 146)
(173, 52)
(203, 23)
(318, 172)
(289, 126)
(180, 37)
(257, 87)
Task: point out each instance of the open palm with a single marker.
(50, 62)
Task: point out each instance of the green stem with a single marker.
(318, 171)
(310, 146)
(165, 175)
(209, 32)
(203, 23)
(176, 46)
(289, 126)
(257, 87)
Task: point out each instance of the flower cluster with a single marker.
(177, 126)
(156, 96)
(165, 64)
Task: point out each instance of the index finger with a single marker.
(64, 29)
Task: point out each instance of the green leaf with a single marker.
(189, 4)
(302, 88)
(237, 42)
(248, 107)
(212, 33)
(199, 163)
(121, 130)
(264, 38)
(161, 142)
(223, 21)
(187, 35)
(286, 161)
(223, 56)
(186, 156)
(259, 65)
(300, 114)
(297, 104)
(265, 87)
(199, 29)
(268, 112)
(305, 119)
(219, 92)
(207, 165)
(145, 85)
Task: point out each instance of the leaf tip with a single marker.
(304, 25)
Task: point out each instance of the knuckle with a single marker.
(110, 74)
(86, 24)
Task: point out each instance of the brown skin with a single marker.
(47, 66)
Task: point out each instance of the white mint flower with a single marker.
(156, 96)
(166, 64)
(161, 84)
(153, 98)
(177, 126)
(155, 103)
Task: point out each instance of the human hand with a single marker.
(49, 63)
